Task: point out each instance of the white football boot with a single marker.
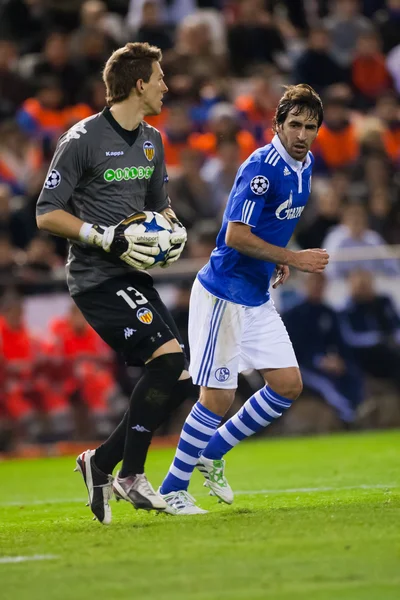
(181, 503)
(213, 471)
(137, 490)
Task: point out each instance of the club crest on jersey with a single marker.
(145, 316)
(149, 150)
(259, 185)
(285, 210)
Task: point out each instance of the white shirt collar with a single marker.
(296, 165)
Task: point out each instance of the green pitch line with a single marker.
(314, 519)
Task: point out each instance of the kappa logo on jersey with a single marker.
(259, 185)
(128, 332)
(116, 153)
(149, 150)
(74, 133)
(222, 374)
(128, 173)
(285, 210)
(145, 316)
(286, 172)
(53, 180)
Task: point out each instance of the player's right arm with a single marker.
(71, 160)
(245, 210)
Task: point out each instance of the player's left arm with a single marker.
(157, 199)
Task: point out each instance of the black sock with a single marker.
(147, 406)
(110, 453)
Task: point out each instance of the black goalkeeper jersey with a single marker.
(101, 173)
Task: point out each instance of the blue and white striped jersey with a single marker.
(269, 194)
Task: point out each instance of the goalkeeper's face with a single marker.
(154, 90)
(297, 133)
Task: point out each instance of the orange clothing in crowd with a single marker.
(337, 148)
(253, 113)
(85, 362)
(370, 76)
(207, 143)
(51, 122)
(173, 150)
(26, 381)
(391, 140)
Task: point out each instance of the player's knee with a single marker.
(167, 368)
(290, 386)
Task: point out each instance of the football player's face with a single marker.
(154, 91)
(298, 133)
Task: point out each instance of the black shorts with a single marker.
(128, 313)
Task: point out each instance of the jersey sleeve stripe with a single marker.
(275, 161)
(270, 153)
(250, 212)
(273, 157)
(244, 209)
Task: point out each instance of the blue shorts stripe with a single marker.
(206, 350)
(214, 327)
(215, 343)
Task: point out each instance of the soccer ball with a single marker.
(154, 222)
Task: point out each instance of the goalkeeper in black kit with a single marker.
(106, 170)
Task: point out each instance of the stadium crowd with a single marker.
(225, 62)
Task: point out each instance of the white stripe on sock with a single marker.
(186, 458)
(192, 440)
(254, 414)
(199, 426)
(205, 418)
(228, 437)
(238, 423)
(271, 397)
(265, 406)
(180, 474)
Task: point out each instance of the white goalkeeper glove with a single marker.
(136, 249)
(177, 240)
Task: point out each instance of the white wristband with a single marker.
(84, 232)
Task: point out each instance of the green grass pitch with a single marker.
(313, 518)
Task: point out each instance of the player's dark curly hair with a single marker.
(300, 97)
(126, 66)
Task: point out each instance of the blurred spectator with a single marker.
(172, 12)
(191, 195)
(253, 38)
(11, 223)
(175, 133)
(20, 158)
(257, 106)
(220, 172)
(369, 74)
(324, 359)
(371, 327)
(86, 365)
(336, 145)
(202, 239)
(90, 52)
(196, 58)
(55, 63)
(152, 29)
(13, 88)
(26, 22)
(353, 233)
(387, 110)
(39, 261)
(43, 116)
(388, 21)
(393, 66)
(345, 25)
(94, 15)
(223, 124)
(8, 265)
(31, 398)
(327, 215)
(316, 66)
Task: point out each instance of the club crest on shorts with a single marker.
(149, 150)
(222, 374)
(145, 316)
